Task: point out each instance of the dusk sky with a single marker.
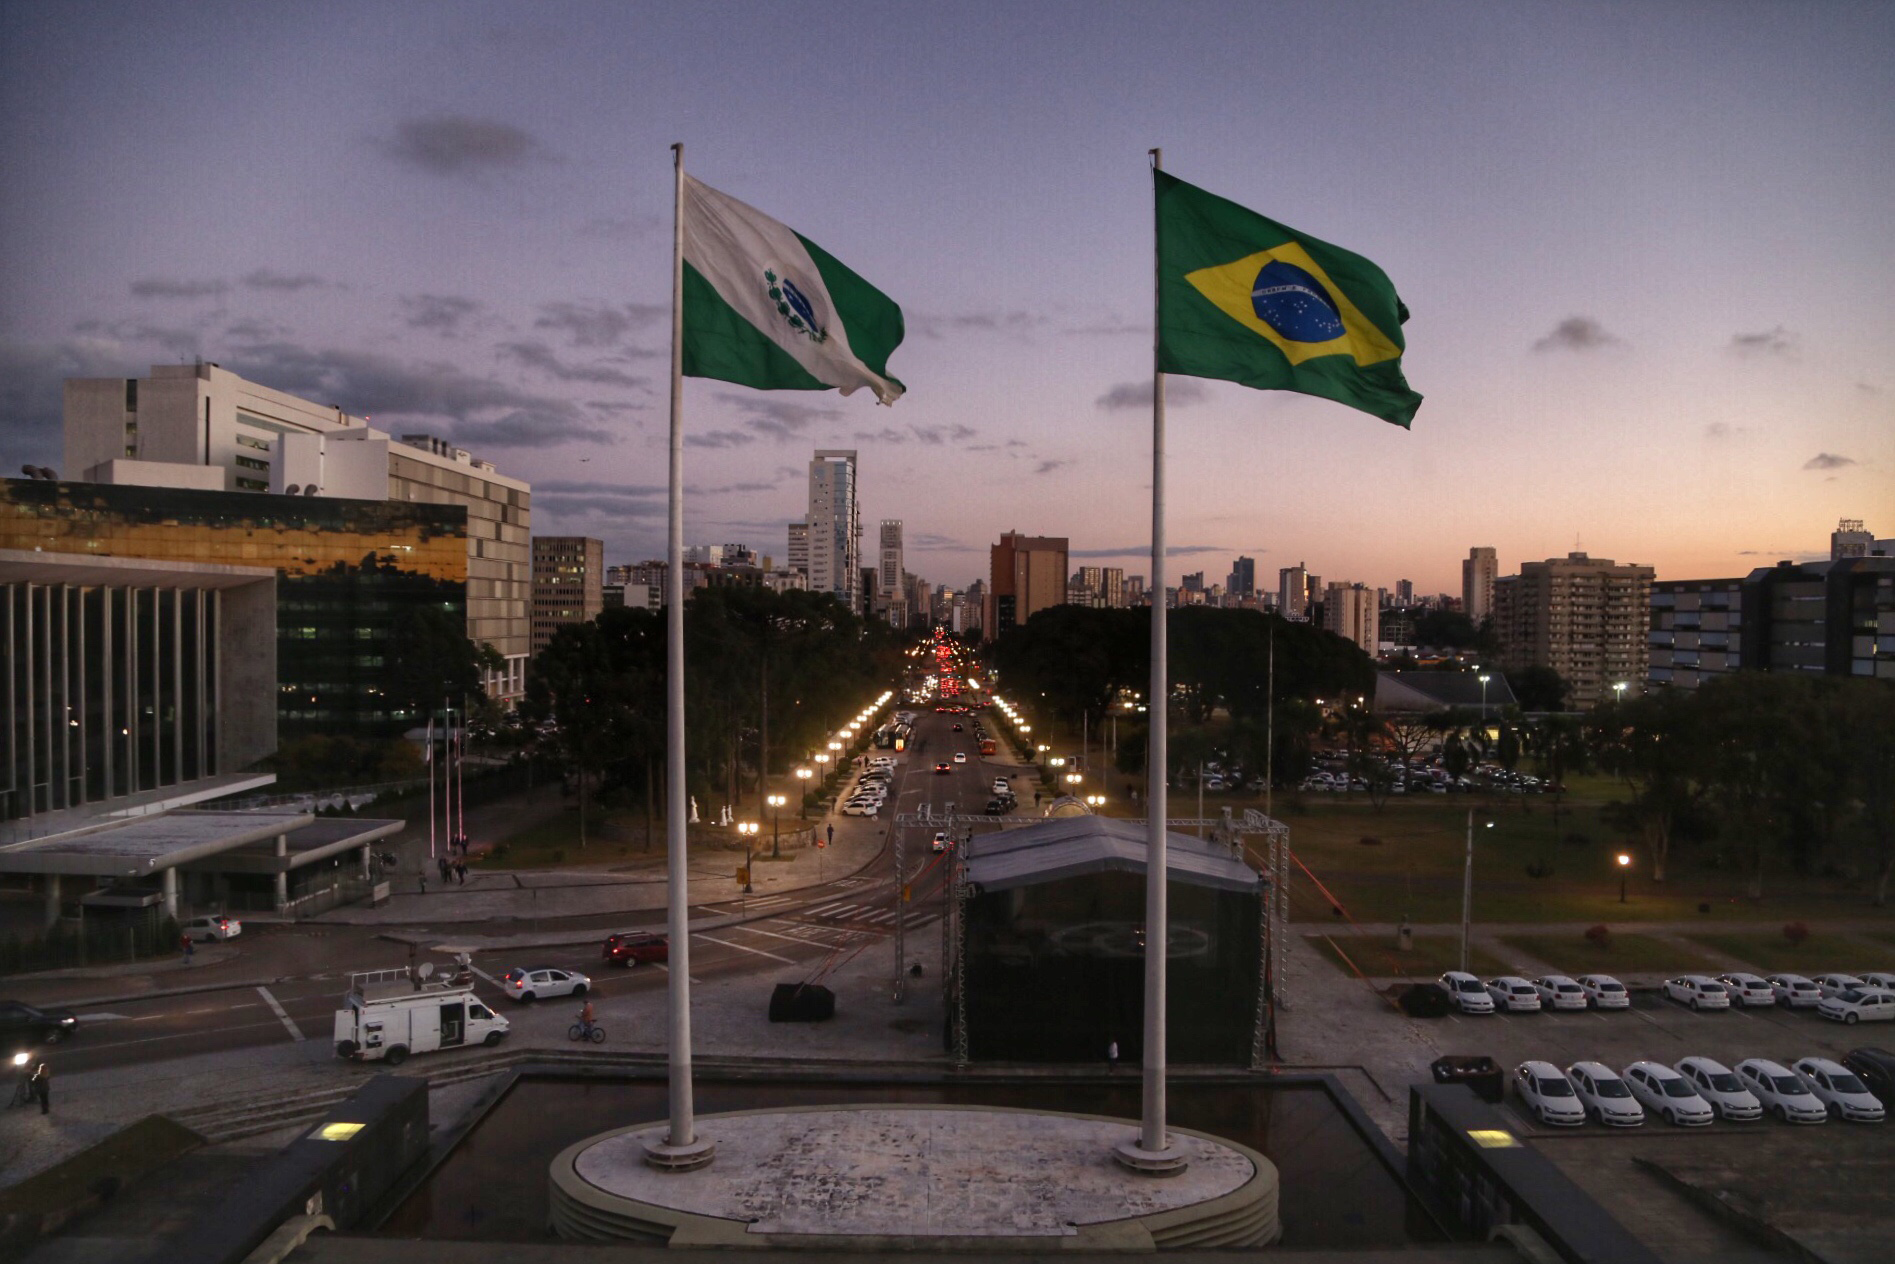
(1647, 249)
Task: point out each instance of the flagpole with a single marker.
(682, 1150)
(1152, 1151)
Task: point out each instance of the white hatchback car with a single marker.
(216, 926)
(1468, 993)
(1782, 1091)
(1719, 1085)
(960, 757)
(1795, 991)
(1881, 979)
(1605, 992)
(1514, 994)
(941, 841)
(1840, 1092)
(1832, 984)
(1699, 991)
(1604, 1095)
(535, 983)
(1748, 989)
(1859, 1005)
(1548, 1094)
(1559, 992)
(1668, 1094)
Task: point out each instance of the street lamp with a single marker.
(1467, 886)
(1625, 865)
(749, 831)
(776, 802)
(802, 806)
(1618, 691)
(1095, 801)
(1484, 678)
(1074, 778)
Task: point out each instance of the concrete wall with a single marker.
(246, 652)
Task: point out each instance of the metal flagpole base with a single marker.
(1166, 1162)
(673, 1158)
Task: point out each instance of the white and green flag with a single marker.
(768, 308)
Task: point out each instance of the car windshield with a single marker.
(1725, 1082)
(1554, 1088)
(1843, 1082)
(1678, 1088)
(1788, 1085)
(1469, 985)
(1610, 1088)
(1854, 997)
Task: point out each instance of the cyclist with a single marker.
(585, 1019)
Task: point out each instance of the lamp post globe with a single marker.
(776, 802)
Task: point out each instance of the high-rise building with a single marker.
(1028, 574)
(1352, 612)
(1850, 540)
(797, 556)
(567, 584)
(835, 527)
(1587, 618)
(1293, 591)
(201, 427)
(1479, 569)
(889, 587)
(1404, 592)
(1696, 631)
(1243, 577)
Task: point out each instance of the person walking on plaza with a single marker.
(1112, 1058)
(41, 1085)
(831, 839)
(190, 950)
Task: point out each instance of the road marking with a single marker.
(296, 1033)
(746, 948)
(886, 915)
(758, 930)
(101, 1018)
(667, 969)
(182, 1035)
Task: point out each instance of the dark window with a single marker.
(131, 394)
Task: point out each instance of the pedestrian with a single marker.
(424, 882)
(190, 950)
(41, 1084)
(441, 863)
(1112, 1058)
(832, 835)
(460, 872)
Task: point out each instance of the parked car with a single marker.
(24, 1028)
(1468, 993)
(1841, 1093)
(1749, 989)
(1559, 992)
(861, 809)
(1514, 994)
(1782, 1091)
(534, 983)
(632, 948)
(1875, 1068)
(1859, 1005)
(1719, 1085)
(996, 808)
(1605, 992)
(1880, 979)
(215, 926)
(1667, 1094)
(1699, 991)
(1548, 1094)
(1795, 991)
(1835, 984)
(1604, 1096)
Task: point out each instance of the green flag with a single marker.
(767, 307)
(1246, 299)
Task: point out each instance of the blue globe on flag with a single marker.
(1294, 303)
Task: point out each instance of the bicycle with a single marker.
(580, 1031)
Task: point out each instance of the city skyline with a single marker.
(1659, 344)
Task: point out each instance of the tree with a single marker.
(1867, 713)
(1652, 743)
(1539, 688)
(431, 660)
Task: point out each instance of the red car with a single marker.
(634, 947)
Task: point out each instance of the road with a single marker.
(797, 935)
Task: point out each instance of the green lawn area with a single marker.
(555, 841)
(1770, 953)
(1377, 956)
(1623, 954)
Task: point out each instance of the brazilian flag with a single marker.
(1246, 299)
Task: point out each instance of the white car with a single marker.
(1001, 787)
(1833, 984)
(1782, 1091)
(1748, 989)
(215, 926)
(1668, 1094)
(1840, 1092)
(960, 757)
(1859, 1005)
(1699, 991)
(1719, 1085)
(1604, 1095)
(869, 808)
(1548, 1094)
(1559, 992)
(1795, 991)
(1468, 993)
(534, 983)
(1880, 979)
(941, 841)
(1514, 994)
(1605, 992)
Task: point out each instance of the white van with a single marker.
(389, 1014)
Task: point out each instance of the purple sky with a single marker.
(1646, 248)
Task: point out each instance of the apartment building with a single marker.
(1587, 618)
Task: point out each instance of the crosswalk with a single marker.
(854, 913)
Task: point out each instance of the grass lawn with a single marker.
(554, 841)
(1377, 956)
(1624, 954)
(1818, 954)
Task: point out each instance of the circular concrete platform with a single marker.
(890, 1177)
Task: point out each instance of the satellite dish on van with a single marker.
(425, 969)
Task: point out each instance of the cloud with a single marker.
(1049, 465)
(32, 394)
(172, 341)
(1129, 395)
(596, 324)
(537, 355)
(1771, 342)
(1724, 430)
(779, 419)
(453, 144)
(1828, 461)
(1868, 388)
(719, 438)
(264, 279)
(170, 287)
(442, 313)
(1144, 550)
(1015, 322)
(1577, 333)
(1110, 326)
(935, 436)
(887, 434)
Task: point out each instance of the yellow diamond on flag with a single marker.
(1284, 295)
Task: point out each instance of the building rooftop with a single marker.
(1070, 846)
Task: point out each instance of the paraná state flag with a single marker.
(766, 307)
(1249, 300)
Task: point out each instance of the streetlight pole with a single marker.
(802, 804)
(749, 831)
(1483, 702)
(1467, 887)
(776, 802)
(1625, 865)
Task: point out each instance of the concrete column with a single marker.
(282, 875)
(365, 857)
(171, 893)
(51, 883)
